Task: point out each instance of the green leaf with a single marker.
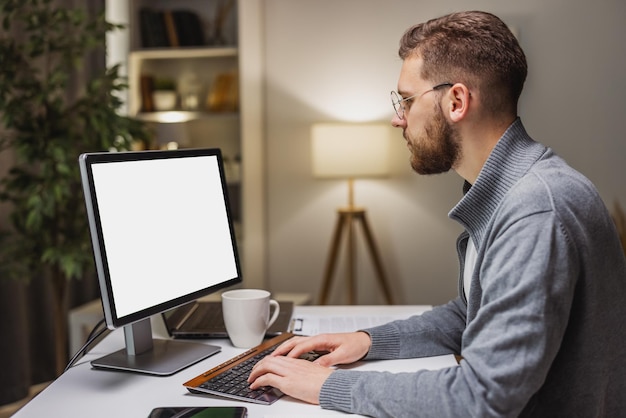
(48, 126)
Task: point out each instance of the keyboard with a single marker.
(230, 379)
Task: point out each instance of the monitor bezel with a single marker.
(86, 162)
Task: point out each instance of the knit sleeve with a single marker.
(432, 333)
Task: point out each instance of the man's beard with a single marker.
(437, 149)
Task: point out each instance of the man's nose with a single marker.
(396, 122)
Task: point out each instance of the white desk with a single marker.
(85, 392)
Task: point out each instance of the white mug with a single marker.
(247, 315)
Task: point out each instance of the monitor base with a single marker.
(167, 357)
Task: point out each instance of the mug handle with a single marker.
(275, 313)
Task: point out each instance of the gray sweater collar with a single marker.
(512, 157)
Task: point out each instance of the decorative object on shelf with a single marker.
(189, 100)
(164, 96)
(189, 89)
(224, 93)
(223, 10)
(164, 99)
(349, 151)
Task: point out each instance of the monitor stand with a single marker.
(143, 354)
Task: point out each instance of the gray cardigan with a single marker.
(541, 332)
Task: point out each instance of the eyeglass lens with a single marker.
(396, 101)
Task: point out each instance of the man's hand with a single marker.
(303, 379)
(340, 348)
(295, 377)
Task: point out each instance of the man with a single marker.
(542, 278)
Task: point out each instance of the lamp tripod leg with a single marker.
(378, 265)
(350, 265)
(332, 258)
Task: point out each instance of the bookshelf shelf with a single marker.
(183, 53)
(180, 116)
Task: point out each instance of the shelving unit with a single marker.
(204, 113)
(194, 70)
(239, 132)
(194, 120)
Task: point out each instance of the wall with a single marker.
(334, 60)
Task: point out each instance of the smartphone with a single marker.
(199, 412)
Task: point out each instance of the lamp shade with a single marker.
(344, 150)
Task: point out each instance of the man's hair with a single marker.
(473, 48)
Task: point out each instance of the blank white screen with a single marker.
(165, 229)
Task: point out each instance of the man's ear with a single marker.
(459, 100)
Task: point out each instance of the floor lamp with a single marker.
(350, 151)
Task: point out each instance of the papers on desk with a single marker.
(314, 324)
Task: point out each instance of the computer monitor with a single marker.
(162, 236)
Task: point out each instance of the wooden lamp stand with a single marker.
(347, 217)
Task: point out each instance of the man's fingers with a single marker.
(296, 346)
(326, 360)
(286, 347)
(268, 379)
(268, 366)
(295, 377)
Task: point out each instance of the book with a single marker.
(188, 28)
(170, 28)
(146, 85)
(152, 28)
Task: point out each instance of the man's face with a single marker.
(432, 140)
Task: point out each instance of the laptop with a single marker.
(203, 319)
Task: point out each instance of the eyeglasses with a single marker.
(397, 100)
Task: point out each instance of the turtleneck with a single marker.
(511, 158)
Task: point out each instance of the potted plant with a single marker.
(46, 126)
(164, 95)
